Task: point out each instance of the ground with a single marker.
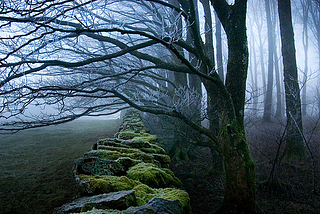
(36, 165)
(36, 169)
(294, 191)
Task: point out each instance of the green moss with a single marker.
(163, 159)
(153, 176)
(98, 166)
(144, 193)
(141, 201)
(154, 149)
(93, 184)
(120, 149)
(128, 162)
(136, 143)
(134, 125)
(113, 144)
(142, 190)
(142, 156)
(172, 194)
(109, 140)
(105, 154)
(126, 159)
(104, 184)
(146, 137)
(128, 135)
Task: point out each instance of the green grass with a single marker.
(36, 164)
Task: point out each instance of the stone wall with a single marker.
(127, 174)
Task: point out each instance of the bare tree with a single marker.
(219, 47)
(314, 25)
(98, 57)
(268, 100)
(294, 141)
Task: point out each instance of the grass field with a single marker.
(36, 164)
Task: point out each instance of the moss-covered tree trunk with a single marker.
(240, 174)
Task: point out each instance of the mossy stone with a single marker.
(109, 140)
(128, 162)
(145, 193)
(126, 135)
(152, 176)
(146, 137)
(142, 156)
(136, 143)
(143, 189)
(98, 166)
(113, 144)
(144, 162)
(105, 184)
(105, 154)
(120, 149)
(134, 124)
(173, 193)
(128, 159)
(154, 149)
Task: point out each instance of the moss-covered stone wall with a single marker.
(131, 161)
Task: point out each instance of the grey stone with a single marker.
(157, 206)
(116, 200)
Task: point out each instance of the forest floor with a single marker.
(36, 164)
(36, 169)
(296, 185)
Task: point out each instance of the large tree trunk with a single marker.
(240, 190)
(194, 80)
(213, 115)
(240, 174)
(219, 48)
(179, 148)
(294, 142)
(239, 196)
(268, 100)
(253, 75)
(280, 107)
(316, 20)
(263, 72)
(305, 42)
(254, 78)
(315, 14)
(208, 30)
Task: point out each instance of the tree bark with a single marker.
(305, 42)
(240, 175)
(294, 141)
(219, 48)
(254, 76)
(268, 99)
(315, 27)
(194, 80)
(280, 107)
